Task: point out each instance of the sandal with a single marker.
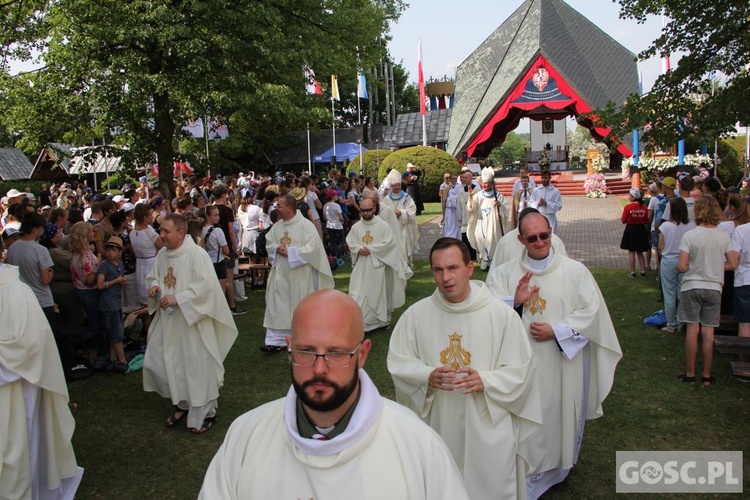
(208, 422)
(684, 378)
(708, 381)
(173, 419)
(272, 348)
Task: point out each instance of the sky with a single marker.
(451, 30)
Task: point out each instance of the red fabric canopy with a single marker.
(541, 76)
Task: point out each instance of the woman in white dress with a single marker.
(146, 244)
(249, 216)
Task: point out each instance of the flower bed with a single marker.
(595, 186)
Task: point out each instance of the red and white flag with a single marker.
(311, 84)
(420, 74)
(182, 167)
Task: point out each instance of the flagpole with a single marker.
(333, 123)
(422, 107)
(205, 137)
(359, 118)
(309, 158)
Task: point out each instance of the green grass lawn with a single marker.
(127, 451)
(431, 210)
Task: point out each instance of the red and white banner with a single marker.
(311, 84)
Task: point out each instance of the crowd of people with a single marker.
(502, 374)
(698, 232)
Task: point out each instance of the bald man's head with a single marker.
(328, 310)
(367, 207)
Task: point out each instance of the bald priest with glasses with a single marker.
(333, 435)
(574, 342)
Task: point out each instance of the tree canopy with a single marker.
(132, 72)
(513, 147)
(713, 38)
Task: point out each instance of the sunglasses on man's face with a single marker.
(534, 238)
(366, 210)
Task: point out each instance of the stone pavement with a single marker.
(590, 228)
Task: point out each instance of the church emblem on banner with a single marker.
(541, 87)
(540, 78)
(455, 356)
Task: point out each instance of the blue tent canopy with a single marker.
(344, 150)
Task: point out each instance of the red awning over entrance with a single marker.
(542, 93)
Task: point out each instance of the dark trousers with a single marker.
(472, 252)
(336, 242)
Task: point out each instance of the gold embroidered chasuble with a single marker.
(375, 276)
(294, 277)
(570, 297)
(482, 430)
(186, 350)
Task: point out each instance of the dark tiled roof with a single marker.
(593, 63)
(408, 128)
(14, 164)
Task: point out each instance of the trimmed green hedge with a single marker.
(432, 162)
(371, 161)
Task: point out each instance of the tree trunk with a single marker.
(164, 128)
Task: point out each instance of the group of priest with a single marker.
(500, 376)
(506, 373)
(475, 212)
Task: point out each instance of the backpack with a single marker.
(260, 243)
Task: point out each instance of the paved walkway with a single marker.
(590, 228)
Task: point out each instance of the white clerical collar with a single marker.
(367, 412)
(541, 265)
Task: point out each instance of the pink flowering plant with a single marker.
(595, 186)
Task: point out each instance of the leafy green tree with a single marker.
(132, 71)
(513, 147)
(714, 36)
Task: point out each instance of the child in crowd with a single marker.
(701, 252)
(334, 224)
(110, 281)
(217, 247)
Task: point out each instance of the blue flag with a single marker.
(361, 85)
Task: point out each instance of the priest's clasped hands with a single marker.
(447, 378)
(363, 251)
(281, 250)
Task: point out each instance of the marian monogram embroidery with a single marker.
(455, 356)
(286, 240)
(367, 238)
(535, 304)
(170, 280)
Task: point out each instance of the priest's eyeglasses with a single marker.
(332, 359)
(540, 236)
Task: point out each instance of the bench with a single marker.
(257, 273)
(741, 370)
(729, 344)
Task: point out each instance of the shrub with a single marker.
(371, 161)
(431, 161)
